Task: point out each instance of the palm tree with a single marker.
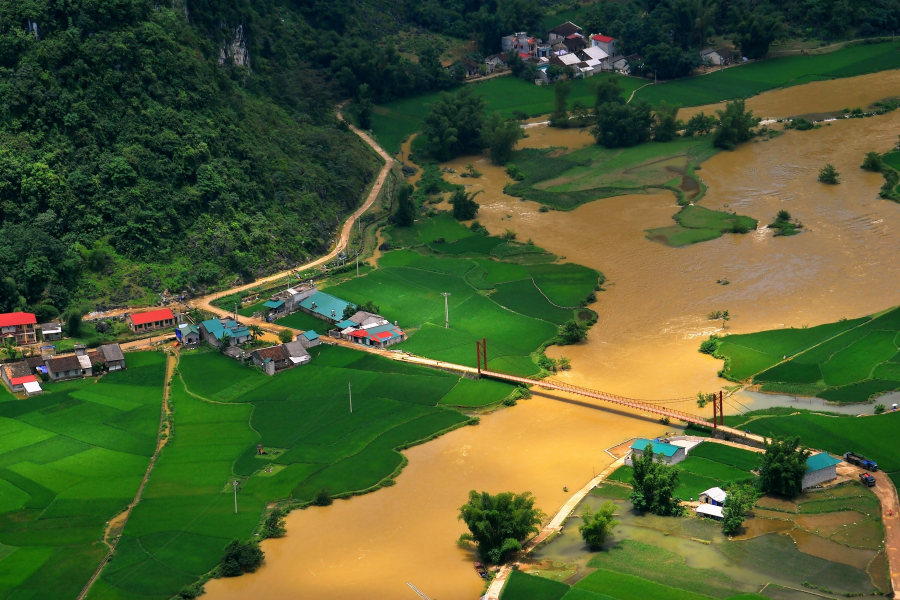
(255, 331)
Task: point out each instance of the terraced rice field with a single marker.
(70, 460)
(848, 361)
(302, 417)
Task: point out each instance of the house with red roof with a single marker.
(16, 375)
(150, 320)
(368, 329)
(605, 43)
(20, 327)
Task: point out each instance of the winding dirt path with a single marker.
(113, 531)
(205, 302)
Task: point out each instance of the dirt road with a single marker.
(205, 302)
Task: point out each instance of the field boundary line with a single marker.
(160, 444)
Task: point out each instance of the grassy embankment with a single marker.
(512, 294)
(222, 410)
(568, 179)
(395, 121)
(848, 361)
(70, 460)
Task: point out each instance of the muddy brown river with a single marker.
(652, 319)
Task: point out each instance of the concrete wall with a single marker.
(818, 477)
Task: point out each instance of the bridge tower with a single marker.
(718, 410)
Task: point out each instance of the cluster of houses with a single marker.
(569, 47)
(24, 376)
(820, 468)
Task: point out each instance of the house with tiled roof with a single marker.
(150, 320)
(278, 358)
(20, 327)
(17, 375)
(564, 31)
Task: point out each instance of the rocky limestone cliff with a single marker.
(236, 51)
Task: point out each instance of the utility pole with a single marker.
(350, 392)
(234, 483)
(446, 295)
(235, 311)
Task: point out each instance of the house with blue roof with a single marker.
(288, 301)
(212, 331)
(668, 453)
(820, 468)
(324, 306)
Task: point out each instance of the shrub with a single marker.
(544, 208)
(572, 332)
(710, 346)
(273, 527)
(509, 402)
(879, 408)
(872, 162)
(322, 498)
(498, 523)
(189, 592)
(285, 336)
(240, 557)
(828, 174)
(597, 526)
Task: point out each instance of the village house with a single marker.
(150, 320)
(324, 306)
(278, 358)
(717, 57)
(51, 332)
(710, 510)
(667, 453)
(715, 496)
(308, 339)
(605, 43)
(19, 378)
(18, 327)
(627, 64)
(495, 62)
(527, 46)
(112, 356)
(561, 32)
(288, 301)
(369, 329)
(212, 331)
(820, 468)
(72, 366)
(188, 335)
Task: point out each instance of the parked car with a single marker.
(867, 479)
(861, 461)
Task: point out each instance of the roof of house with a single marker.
(230, 328)
(658, 447)
(310, 335)
(188, 328)
(378, 333)
(716, 493)
(326, 305)
(568, 59)
(602, 38)
(273, 304)
(822, 460)
(595, 53)
(17, 318)
(271, 353)
(32, 387)
(725, 52)
(51, 328)
(362, 316)
(345, 324)
(567, 28)
(17, 370)
(151, 316)
(112, 352)
(294, 349)
(710, 510)
(34, 362)
(63, 363)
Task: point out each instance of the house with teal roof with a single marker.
(324, 306)
(820, 468)
(214, 330)
(668, 453)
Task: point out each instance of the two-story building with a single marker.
(151, 320)
(20, 327)
(212, 331)
(605, 43)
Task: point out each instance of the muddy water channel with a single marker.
(652, 319)
(370, 546)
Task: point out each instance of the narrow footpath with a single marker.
(114, 528)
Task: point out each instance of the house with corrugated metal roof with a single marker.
(287, 301)
(668, 453)
(212, 331)
(324, 306)
(278, 358)
(308, 339)
(150, 320)
(188, 335)
(820, 468)
(380, 335)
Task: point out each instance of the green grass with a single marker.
(525, 298)
(471, 394)
(712, 469)
(70, 460)
(304, 322)
(745, 362)
(211, 373)
(744, 460)
(791, 372)
(395, 121)
(698, 224)
(630, 587)
(520, 586)
(859, 392)
(856, 362)
(748, 80)
(564, 284)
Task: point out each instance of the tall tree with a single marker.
(464, 206)
(455, 123)
(499, 523)
(739, 500)
(756, 33)
(560, 115)
(735, 125)
(783, 466)
(364, 107)
(501, 137)
(623, 125)
(654, 484)
(406, 206)
(608, 90)
(666, 124)
(597, 526)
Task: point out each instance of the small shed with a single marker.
(710, 510)
(188, 335)
(32, 388)
(112, 356)
(308, 339)
(51, 331)
(276, 307)
(820, 468)
(668, 453)
(715, 496)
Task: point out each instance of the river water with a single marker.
(652, 319)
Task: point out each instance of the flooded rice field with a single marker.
(651, 320)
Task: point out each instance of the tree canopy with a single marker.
(621, 125)
(596, 527)
(501, 137)
(498, 523)
(654, 484)
(783, 466)
(735, 125)
(454, 125)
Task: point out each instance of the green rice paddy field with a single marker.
(848, 361)
(516, 303)
(223, 409)
(70, 460)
